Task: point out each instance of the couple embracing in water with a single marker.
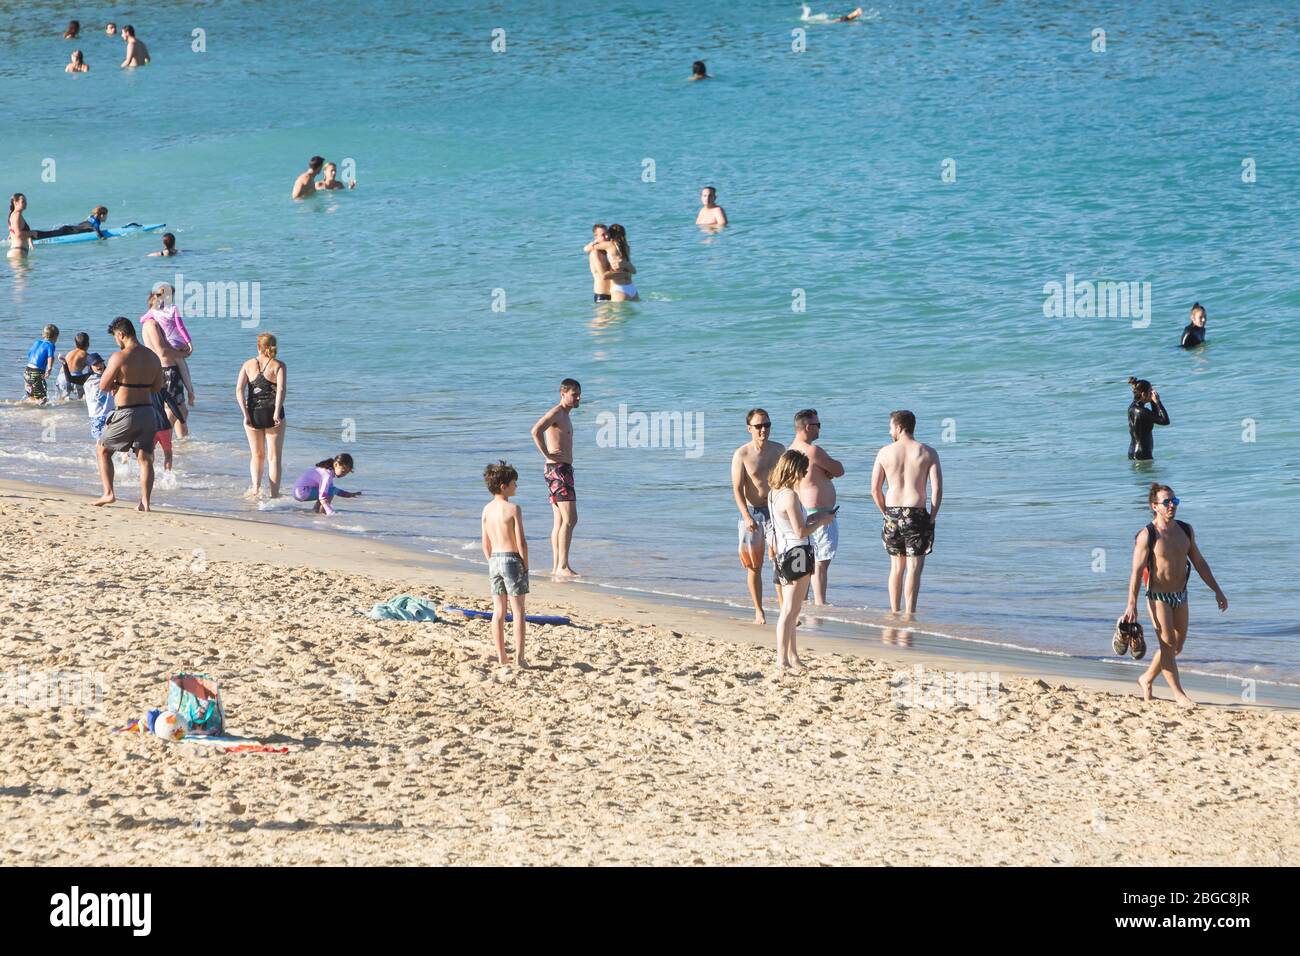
(610, 261)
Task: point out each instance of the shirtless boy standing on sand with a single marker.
(1166, 549)
(553, 436)
(506, 548)
(132, 375)
(817, 492)
(908, 532)
(305, 184)
(711, 214)
(598, 262)
(750, 466)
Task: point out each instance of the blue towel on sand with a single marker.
(404, 608)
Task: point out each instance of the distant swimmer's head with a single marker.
(315, 163)
(788, 470)
(122, 330)
(267, 345)
(1162, 500)
(901, 422)
(128, 32)
(51, 333)
(570, 393)
(807, 424)
(501, 479)
(1141, 388)
(760, 424)
(110, 29)
(599, 232)
(169, 244)
(1198, 314)
(707, 196)
(699, 71)
(74, 28)
(341, 464)
(618, 236)
(331, 172)
(78, 59)
(81, 340)
(17, 201)
(100, 213)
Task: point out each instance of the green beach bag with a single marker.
(197, 699)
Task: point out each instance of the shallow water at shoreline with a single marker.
(482, 172)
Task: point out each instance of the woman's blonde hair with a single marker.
(155, 300)
(266, 344)
(788, 470)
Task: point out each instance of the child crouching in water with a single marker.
(318, 482)
(506, 550)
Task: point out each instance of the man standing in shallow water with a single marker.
(711, 215)
(817, 493)
(305, 184)
(598, 262)
(750, 466)
(906, 466)
(553, 436)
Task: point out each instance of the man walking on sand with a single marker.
(817, 493)
(750, 466)
(133, 375)
(553, 436)
(906, 466)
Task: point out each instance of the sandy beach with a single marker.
(640, 735)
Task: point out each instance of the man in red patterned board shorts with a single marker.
(553, 435)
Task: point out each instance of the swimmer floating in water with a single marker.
(1194, 333)
(77, 63)
(699, 71)
(332, 181)
(318, 482)
(169, 246)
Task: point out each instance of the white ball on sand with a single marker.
(169, 725)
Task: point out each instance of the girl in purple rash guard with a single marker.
(318, 482)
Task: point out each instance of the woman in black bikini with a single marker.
(259, 390)
(1142, 419)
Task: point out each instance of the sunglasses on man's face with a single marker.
(761, 425)
(1169, 503)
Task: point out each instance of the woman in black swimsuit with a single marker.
(1194, 333)
(259, 390)
(1142, 419)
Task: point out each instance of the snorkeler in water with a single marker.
(1141, 419)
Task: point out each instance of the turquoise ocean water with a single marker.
(482, 171)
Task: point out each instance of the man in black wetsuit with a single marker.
(1142, 419)
(1194, 334)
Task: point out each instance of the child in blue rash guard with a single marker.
(318, 482)
(40, 363)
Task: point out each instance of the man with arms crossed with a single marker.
(817, 492)
(908, 532)
(133, 375)
(553, 436)
(711, 214)
(749, 468)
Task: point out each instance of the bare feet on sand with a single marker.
(104, 500)
(253, 493)
(1145, 684)
(760, 617)
(142, 507)
(564, 573)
